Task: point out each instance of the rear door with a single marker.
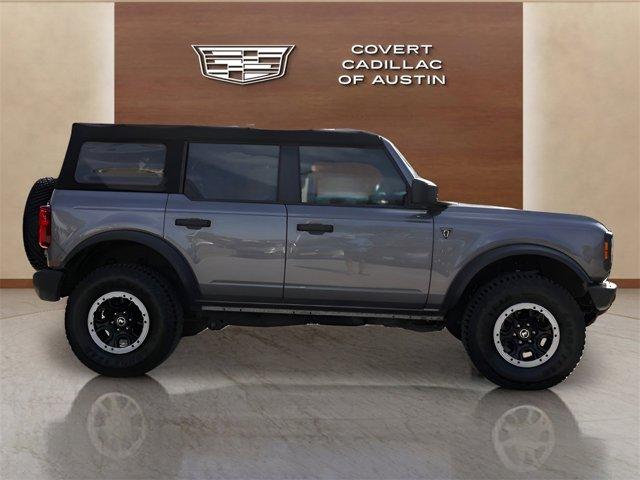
(228, 222)
(352, 238)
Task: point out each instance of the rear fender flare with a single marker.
(189, 283)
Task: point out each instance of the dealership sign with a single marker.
(370, 64)
(243, 64)
(396, 64)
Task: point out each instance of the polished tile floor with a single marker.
(311, 402)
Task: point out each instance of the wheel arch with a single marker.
(130, 245)
(553, 263)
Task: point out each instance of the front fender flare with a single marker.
(474, 266)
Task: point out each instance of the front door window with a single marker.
(349, 176)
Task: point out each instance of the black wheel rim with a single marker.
(526, 334)
(118, 322)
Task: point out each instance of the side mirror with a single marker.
(423, 192)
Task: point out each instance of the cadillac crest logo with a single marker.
(243, 64)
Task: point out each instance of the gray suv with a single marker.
(159, 232)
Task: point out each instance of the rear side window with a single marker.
(121, 164)
(232, 172)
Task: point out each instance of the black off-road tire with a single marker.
(39, 195)
(161, 302)
(495, 297)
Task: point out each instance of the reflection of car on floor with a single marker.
(136, 429)
(158, 232)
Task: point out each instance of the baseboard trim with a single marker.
(28, 283)
(16, 283)
(627, 282)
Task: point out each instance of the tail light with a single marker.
(44, 226)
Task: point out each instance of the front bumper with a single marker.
(48, 284)
(603, 295)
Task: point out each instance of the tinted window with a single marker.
(349, 176)
(232, 172)
(121, 164)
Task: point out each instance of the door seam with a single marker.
(286, 248)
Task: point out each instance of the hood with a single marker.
(518, 215)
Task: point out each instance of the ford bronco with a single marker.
(159, 232)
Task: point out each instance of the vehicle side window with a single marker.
(232, 172)
(121, 164)
(349, 176)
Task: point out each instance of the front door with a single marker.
(352, 240)
(228, 224)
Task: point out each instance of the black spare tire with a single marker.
(39, 195)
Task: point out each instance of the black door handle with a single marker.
(315, 228)
(193, 223)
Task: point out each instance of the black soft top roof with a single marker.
(82, 132)
(175, 136)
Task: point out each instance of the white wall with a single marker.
(582, 117)
(56, 68)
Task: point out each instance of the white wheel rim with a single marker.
(91, 324)
(521, 362)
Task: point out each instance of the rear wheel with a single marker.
(123, 320)
(523, 331)
(39, 195)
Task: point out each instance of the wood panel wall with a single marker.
(466, 136)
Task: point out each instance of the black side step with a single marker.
(223, 315)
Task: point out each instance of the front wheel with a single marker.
(123, 320)
(523, 331)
